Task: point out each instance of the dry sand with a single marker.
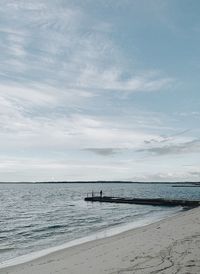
(169, 246)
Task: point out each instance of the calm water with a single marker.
(35, 217)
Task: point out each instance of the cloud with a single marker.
(22, 128)
(170, 176)
(55, 45)
(112, 79)
(182, 148)
(163, 139)
(103, 151)
(22, 96)
(70, 88)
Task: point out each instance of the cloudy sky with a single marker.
(99, 90)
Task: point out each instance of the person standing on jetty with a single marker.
(101, 193)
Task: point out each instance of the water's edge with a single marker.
(108, 232)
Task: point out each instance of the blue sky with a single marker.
(99, 90)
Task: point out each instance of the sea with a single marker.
(36, 219)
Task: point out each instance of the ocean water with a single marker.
(34, 217)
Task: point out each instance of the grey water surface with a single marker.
(38, 216)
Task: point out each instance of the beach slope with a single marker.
(167, 247)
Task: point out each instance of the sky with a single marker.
(99, 90)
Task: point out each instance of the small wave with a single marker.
(3, 237)
(5, 248)
(51, 227)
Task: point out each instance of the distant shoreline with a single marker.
(176, 184)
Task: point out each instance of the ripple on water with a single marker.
(35, 217)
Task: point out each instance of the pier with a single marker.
(143, 201)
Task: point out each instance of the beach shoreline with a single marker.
(148, 247)
(101, 234)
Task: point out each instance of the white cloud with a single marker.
(173, 176)
(112, 79)
(58, 46)
(27, 95)
(60, 69)
(188, 147)
(64, 132)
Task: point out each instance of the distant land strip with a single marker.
(175, 184)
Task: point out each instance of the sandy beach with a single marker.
(168, 246)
